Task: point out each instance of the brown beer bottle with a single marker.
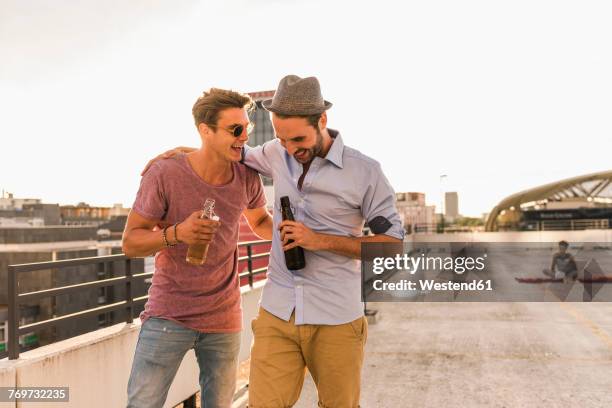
(294, 258)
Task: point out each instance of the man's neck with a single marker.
(211, 168)
(327, 142)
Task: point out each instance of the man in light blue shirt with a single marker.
(338, 192)
(313, 317)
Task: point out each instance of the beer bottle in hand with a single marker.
(294, 257)
(196, 254)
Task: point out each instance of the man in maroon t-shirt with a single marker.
(195, 306)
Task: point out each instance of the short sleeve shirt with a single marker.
(205, 298)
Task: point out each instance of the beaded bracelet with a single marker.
(165, 238)
(176, 240)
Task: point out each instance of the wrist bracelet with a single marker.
(176, 240)
(165, 238)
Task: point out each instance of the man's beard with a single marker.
(315, 150)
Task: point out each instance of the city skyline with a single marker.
(499, 104)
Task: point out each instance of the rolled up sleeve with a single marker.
(379, 201)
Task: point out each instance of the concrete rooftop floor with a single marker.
(486, 355)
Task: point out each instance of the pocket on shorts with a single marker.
(359, 327)
(256, 319)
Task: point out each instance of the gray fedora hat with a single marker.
(297, 96)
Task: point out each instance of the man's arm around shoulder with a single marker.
(260, 221)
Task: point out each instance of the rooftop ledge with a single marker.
(96, 365)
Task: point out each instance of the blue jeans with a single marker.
(162, 344)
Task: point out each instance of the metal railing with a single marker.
(16, 299)
(250, 272)
(573, 225)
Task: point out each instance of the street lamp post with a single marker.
(441, 225)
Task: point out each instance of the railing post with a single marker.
(128, 291)
(101, 271)
(13, 315)
(250, 264)
(109, 291)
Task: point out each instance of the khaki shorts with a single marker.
(282, 351)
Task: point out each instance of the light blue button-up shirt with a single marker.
(338, 194)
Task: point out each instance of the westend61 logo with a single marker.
(413, 264)
(486, 272)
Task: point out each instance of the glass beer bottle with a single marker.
(196, 253)
(294, 258)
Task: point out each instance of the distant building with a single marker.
(117, 210)
(262, 133)
(110, 221)
(451, 206)
(31, 212)
(27, 212)
(263, 130)
(416, 216)
(9, 202)
(49, 233)
(84, 214)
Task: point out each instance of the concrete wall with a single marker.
(7, 379)
(96, 366)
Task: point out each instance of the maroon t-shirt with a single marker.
(204, 298)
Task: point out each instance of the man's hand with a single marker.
(300, 234)
(318, 241)
(167, 155)
(195, 230)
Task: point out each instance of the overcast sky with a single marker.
(499, 96)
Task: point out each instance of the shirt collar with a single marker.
(337, 148)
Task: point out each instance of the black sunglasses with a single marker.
(237, 130)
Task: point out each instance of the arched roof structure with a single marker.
(591, 185)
